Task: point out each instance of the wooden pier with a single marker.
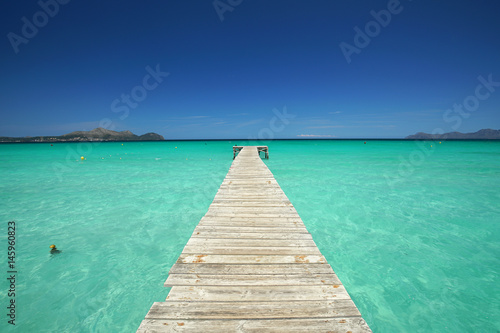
(251, 266)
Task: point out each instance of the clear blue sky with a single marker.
(225, 77)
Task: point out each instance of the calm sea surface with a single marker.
(411, 228)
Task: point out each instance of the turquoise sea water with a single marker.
(413, 231)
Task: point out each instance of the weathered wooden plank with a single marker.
(269, 222)
(252, 221)
(269, 188)
(262, 223)
(271, 208)
(250, 235)
(251, 186)
(249, 171)
(235, 216)
(250, 196)
(238, 199)
(298, 225)
(250, 204)
(250, 280)
(250, 259)
(264, 179)
(256, 214)
(323, 325)
(260, 180)
(275, 189)
(242, 171)
(257, 178)
(231, 242)
(251, 183)
(256, 174)
(251, 269)
(268, 211)
(221, 249)
(253, 167)
(251, 190)
(257, 293)
(253, 310)
(252, 218)
(242, 230)
(251, 224)
(275, 192)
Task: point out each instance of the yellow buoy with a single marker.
(82, 158)
(439, 142)
(175, 147)
(54, 250)
(122, 144)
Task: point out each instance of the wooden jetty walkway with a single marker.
(251, 266)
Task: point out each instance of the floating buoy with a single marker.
(175, 147)
(122, 144)
(82, 158)
(54, 250)
(51, 144)
(439, 142)
(431, 146)
(365, 142)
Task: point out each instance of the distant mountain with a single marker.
(484, 134)
(97, 134)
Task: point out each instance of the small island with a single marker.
(97, 134)
(484, 134)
